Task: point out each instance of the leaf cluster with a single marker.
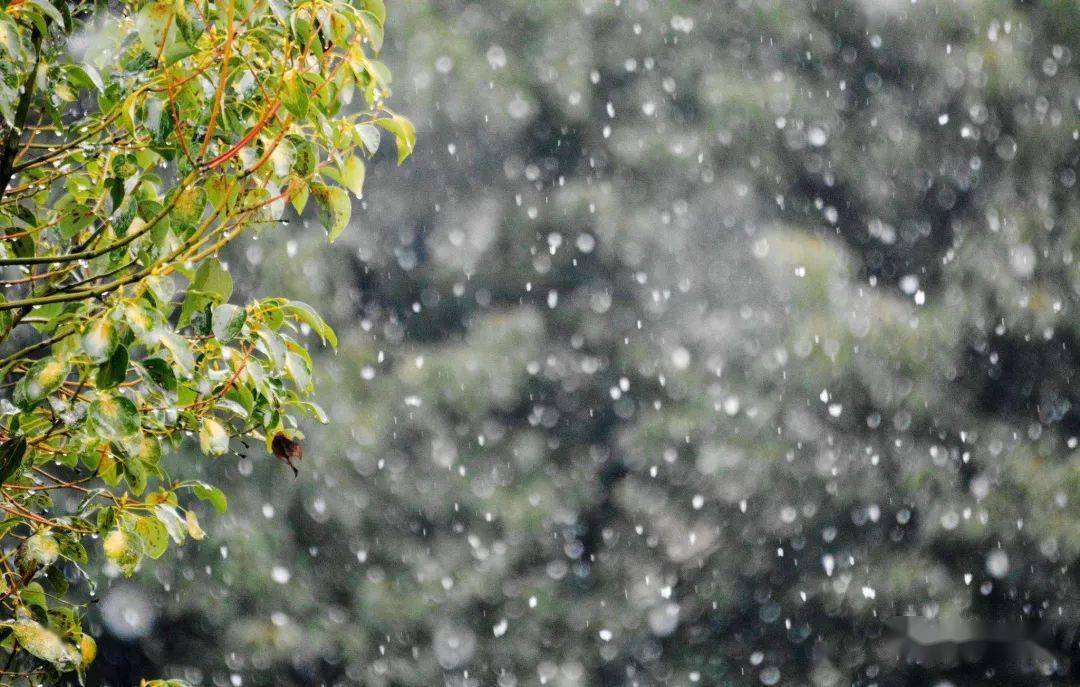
(137, 140)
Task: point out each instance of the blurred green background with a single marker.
(695, 339)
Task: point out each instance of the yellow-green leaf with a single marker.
(122, 549)
(334, 209)
(99, 340)
(44, 377)
(373, 29)
(41, 642)
(114, 416)
(207, 492)
(156, 26)
(404, 134)
(353, 172)
(87, 649)
(308, 315)
(294, 95)
(174, 525)
(213, 439)
(154, 536)
(40, 550)
(193, 527)
(377, 8)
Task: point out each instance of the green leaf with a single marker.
(338, 27)
(160, 373)
(188, 210)
(177, 51)
(380, 73)
(294, 93)
(74, 219)
(212, 278)
(84, 75)
(113, 371)
(273, 346)
(299, 196)
(71, 548)
(11, 457)
(147, 450)
(305, 157)
(299, 371)
(300, 23)
(228, 320)
(221, 191)
(124, 215)
(34, 596)
(352, 175)
(163, 288)
(404, 134)
(179, 349)
(212, 284)
(202, 321)
(239, 396)
(49, 10)
(334, 209)
(114, 416)
(63, 621)
(211, 494)
(307, 314)
(154, 536)
(314, 410)
(136, 475)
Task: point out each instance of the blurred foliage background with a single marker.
(696, 339)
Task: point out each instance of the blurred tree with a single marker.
(705, 336)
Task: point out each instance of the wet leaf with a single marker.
(113, 371)
(122, 549)
(174, 524)
(99, 340)
(228, 320)
(352, 175)
(193, 527)
(213, 439)
(39, 550)
(334, 209)
(154, 536)
(41, 642)
(156, 25)
(114, 416)
(44, 377)
(160, 372)
(11, 457)
(404, 134)
(306, 314)
(211, 494)
(294, 93)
